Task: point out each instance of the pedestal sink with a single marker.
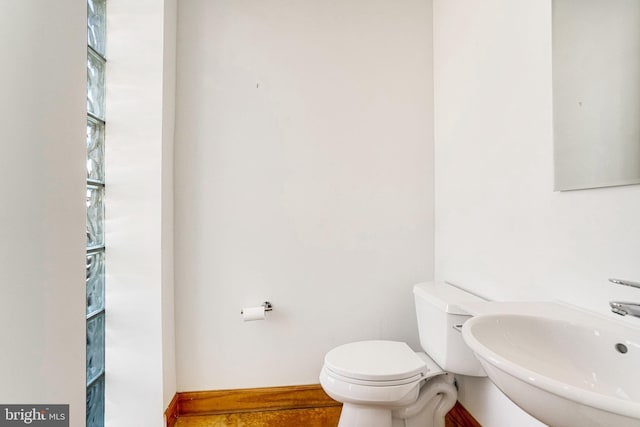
(573, 369)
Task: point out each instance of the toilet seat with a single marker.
(369, 383)
(376, 363)
(376, 373)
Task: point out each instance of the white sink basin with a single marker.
(575, 369)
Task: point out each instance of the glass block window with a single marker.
(95, 403)
(95, 281)
(95, 215)
(95, 347)
(95, 83)
(95, 150)
(97, 25)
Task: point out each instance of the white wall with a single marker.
(303, 176)
(42, 188)
(501, 231)
(140, 377)
(167, 241)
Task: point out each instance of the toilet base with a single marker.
(436, 397)
(354, 415)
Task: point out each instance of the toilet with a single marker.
(387, 384)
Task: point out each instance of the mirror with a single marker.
(596, 93)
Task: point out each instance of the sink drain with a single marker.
(621, 348)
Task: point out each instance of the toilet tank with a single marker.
(439, 319)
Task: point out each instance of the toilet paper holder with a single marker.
(267, 307)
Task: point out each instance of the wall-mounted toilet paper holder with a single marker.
(267, 307)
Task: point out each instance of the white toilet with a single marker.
(386, 384)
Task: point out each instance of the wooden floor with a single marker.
(313, 417)
(289, 406)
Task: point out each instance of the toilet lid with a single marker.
(375, 361)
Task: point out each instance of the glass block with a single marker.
(95, 216)
(95, 282)
(95, 347)
(95, 150)
(95, 84)
(97, 24)
(95, 404)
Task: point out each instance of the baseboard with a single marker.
(218, 402)
(171, 414)
(458, 416)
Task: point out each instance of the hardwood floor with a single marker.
(295, 406)
(310, 417)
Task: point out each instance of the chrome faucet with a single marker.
(624, 308)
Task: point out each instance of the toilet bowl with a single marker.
(387, 384)
(375, 378)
